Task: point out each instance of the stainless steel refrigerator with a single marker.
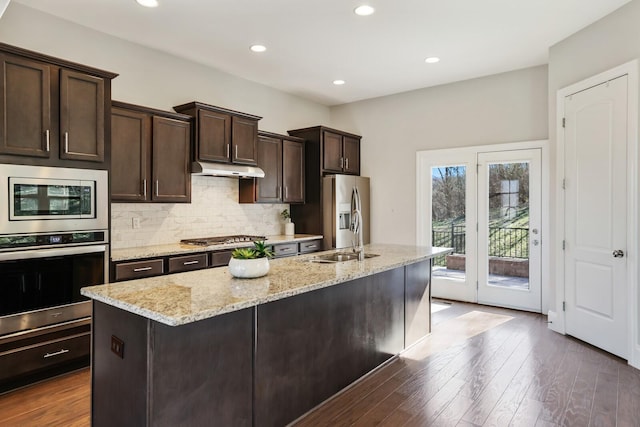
(338, 198)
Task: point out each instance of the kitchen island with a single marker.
(204, 348)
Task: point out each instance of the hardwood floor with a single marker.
(481, 366)
(485, 366)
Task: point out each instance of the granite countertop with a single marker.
(182, 298)
(182, 249)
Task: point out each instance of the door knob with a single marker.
(618, 253)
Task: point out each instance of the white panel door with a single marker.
(509, 229)
(596, 215)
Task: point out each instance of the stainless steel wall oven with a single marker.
(54, 240)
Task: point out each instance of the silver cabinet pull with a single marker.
(47, 139)
(66, 142)
(311, 246)
(285, 249)
(139, 269)
(618, 253)
(190, 262)
(144, 187)
(341, 162)
(228, 153)
(279, 190)
(56, 353)
(236, 147)
(157, 187)
(286, 192)
(346, 161)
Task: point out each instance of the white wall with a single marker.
(502, 108)
(155, 79)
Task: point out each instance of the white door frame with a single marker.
(557, 318)
(424, 159)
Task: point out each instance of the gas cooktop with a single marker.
(221, 240)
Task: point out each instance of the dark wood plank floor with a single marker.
(485, 366)
(481, 366)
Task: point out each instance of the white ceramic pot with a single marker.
(289, 229)
(248, 268)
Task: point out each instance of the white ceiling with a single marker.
(310, 43)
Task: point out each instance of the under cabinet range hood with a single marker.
(228, 170)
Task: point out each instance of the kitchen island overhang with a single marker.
(202, 346)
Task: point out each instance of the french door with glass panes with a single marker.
(509, 234)
(487, 208)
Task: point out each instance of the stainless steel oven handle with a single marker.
(53, 252)
(56, 353)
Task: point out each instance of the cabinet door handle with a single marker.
(311, 246)
(47, 139)
(236, 148)
(157, 187)
(286, 192)
(56, 353)
(190, 262)
(285, 249)
(279, 190)
(341, 162)
(346, 166)
(144, 188)
(139, 269)
(228, 153)
(66, 142)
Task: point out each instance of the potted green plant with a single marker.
(248, 263)
(289, 227)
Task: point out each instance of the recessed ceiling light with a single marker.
(338, 82)
(258, 48)
(148, 3)
(432, 60)
(364, 10)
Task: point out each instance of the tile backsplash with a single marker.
(214, 211)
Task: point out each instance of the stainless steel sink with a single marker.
(339, 257)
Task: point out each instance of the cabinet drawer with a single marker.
(138, 269)
(39, 356)
(220, 258)
(285, 249)
(310, 246)
(188, 263)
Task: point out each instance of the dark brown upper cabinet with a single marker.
(281, 158)
(150, 155)
(330, 150)
(53, 112)
(222, 135)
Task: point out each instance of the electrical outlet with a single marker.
(135, 223)
(117, 346)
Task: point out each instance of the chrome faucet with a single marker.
(357, 242)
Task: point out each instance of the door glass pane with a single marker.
(508, 234)
(448, 199)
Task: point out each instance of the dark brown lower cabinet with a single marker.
(260, 366)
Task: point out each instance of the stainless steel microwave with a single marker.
(39, 199)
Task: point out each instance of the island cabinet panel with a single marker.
(208, 365)
(312, 345)
(119, 385)
(417, 301)
(195, 374)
